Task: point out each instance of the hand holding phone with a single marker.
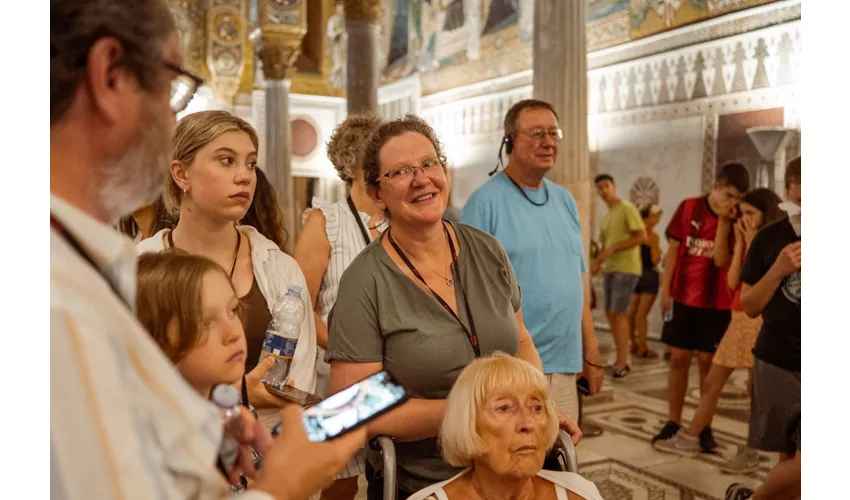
(295, 467)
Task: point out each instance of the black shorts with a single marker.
(695, 328)
(648, 283)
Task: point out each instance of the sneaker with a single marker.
(681, 444)
(669, 430)
(738, 492)
(706, 440)
(744, 462)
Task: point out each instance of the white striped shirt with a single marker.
(346, 241)
(123, 422)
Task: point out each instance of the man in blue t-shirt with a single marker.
(537, 222)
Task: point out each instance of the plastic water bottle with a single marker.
(282, 335)
(226, 397)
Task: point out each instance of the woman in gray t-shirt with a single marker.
(422, 301)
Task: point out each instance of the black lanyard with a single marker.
(521, 190)
(363, 230)
(60, 228)
(235, 256)
(470, 332)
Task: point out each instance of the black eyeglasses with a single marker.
(183, 87)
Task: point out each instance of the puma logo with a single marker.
(696, 224)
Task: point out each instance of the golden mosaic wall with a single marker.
(203, 30)
(433, 37)
(651, 17)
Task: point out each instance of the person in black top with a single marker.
(647, 287)
(772, 278)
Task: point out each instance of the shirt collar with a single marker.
(111, 252)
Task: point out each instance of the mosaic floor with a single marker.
(623, 464)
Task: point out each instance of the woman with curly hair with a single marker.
(332, 236)
(422, 301)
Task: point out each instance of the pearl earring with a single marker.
(185, 189)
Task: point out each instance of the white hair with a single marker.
(459, 438)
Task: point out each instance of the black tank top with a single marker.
(646, 258)
(256, 322)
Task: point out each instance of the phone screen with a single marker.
(353, 406)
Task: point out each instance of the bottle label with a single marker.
(278, 346)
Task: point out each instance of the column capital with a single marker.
(363, 10)
(283, 24)
(280, 48)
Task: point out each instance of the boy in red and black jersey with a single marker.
(695, 299)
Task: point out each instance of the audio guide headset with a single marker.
(508, 146)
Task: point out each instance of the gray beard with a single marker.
(136, 179)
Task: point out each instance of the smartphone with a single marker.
(292, 394)
(352, 407)
(583, 386)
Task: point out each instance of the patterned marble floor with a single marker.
(622, 462)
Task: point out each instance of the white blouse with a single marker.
(346, 240)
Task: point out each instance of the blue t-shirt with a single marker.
(544, 246)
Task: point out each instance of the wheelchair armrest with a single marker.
(565, 446)
(386, 446)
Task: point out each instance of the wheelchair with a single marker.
(564, 452)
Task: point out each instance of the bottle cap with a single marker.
(225, 396)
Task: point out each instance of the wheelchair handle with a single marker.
(387, 448)
(568, 450)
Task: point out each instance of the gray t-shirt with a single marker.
(382, 315)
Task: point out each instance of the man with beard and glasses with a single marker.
(123, 422)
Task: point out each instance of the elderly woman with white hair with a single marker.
(499, 425)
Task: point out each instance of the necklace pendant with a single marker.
(450, 282)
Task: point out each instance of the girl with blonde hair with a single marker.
(211, 186)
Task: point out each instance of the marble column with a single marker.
(472, 12)
(279, 47)
(365, 58)
(526, 19)
(560, 78)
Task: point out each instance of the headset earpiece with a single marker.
(509, 144)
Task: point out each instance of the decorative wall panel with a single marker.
(768, 57)
(226, 41)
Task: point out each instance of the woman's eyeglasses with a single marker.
(183, 87)
(428, 167)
